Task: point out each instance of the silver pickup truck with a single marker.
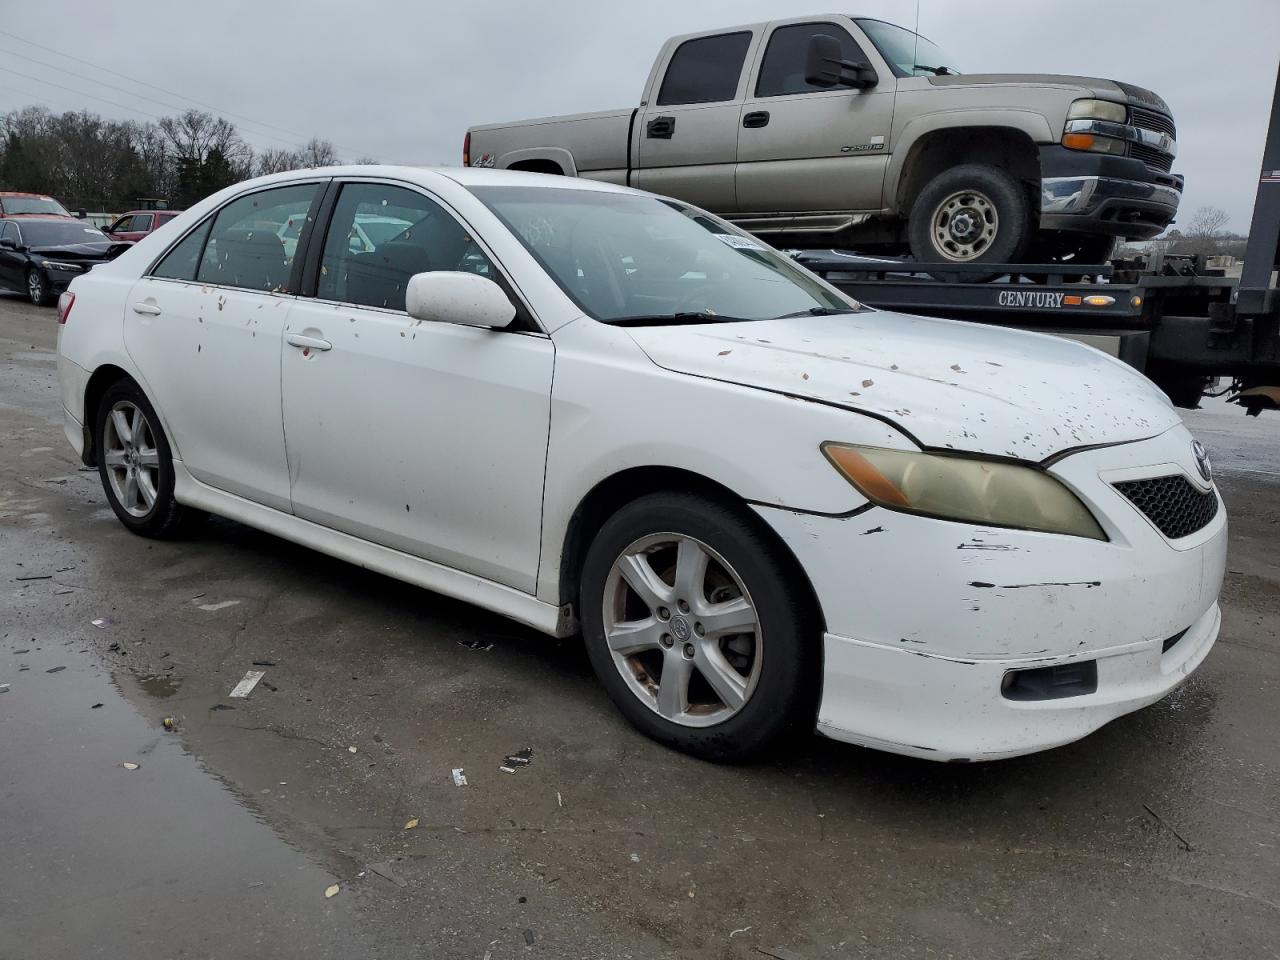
(833, 130)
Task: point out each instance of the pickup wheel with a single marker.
(973, 213)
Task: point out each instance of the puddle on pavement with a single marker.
(158, 686)
(108, 812)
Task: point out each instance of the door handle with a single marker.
(146, 308)
(757, 118)
(660, 128)
(312, 343)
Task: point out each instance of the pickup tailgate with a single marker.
(594, 145)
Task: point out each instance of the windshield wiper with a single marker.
(817, 312)
(937, 71)
(683, 316)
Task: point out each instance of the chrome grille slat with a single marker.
(1150, 120)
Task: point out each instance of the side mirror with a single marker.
(9, 243)
(823, 66)
(81, 214)
(449, 296)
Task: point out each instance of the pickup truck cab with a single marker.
(832, 129)
(137, 224)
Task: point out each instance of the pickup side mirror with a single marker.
(450, 296)
(823, 66)
(9, 243)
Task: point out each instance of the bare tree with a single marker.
(195, 133)
(318, 153)
(365, 161)
(1204, 233)
(277, 161)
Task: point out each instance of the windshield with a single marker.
(40, 233)
(634, 258)
(910, 54)
(34, 205)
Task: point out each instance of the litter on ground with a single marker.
(245, 686)
(459, 778)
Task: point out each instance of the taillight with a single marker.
(65, 303)
(466, 150)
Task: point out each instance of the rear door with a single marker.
(812, 149)
(688, 136)
(429, 438)
(205, 329)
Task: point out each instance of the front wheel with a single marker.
(973, 213)
(136, 465)
(699, 628)
(37, 287)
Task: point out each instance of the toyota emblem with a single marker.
(1202, 460)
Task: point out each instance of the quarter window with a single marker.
(381, 235)
(247, 245)
(705, 70)
(782, 71)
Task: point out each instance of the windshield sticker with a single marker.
(739, 243)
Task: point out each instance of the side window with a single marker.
(705, 70)
(782, 70)
(8, 232)
(181, 261)
(123, 225)
(247, 247)
(382, 235)
(141, 222)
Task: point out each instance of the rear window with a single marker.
(705, 70)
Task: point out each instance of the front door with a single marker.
(13, 265)
(429, 438)
(206, 324)
(805, 149)
(688, 137)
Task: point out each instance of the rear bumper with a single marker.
(1093, 193)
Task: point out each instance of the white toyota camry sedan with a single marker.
(767, 508)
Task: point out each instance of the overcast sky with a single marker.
(400, 80)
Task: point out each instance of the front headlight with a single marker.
(1098, 110)
(965, 489)
(59, 265)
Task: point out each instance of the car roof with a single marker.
(426, 176)
(20, 193)
(27, 217)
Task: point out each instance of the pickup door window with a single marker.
(806, 149)
(688, 138)
(429, 438)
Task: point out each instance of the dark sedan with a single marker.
(40, 255)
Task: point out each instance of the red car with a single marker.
(13, 202)
(136, 224)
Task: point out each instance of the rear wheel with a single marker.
(37, 287)
(698, 629)
(135, 464)
(973, 213)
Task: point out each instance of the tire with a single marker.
(771, 665)
(973, 213)
(37, 287)
(146, 505)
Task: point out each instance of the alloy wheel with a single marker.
(35, 287)
(682, 630)
(964, 225)
(132, 459)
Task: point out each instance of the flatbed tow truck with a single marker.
(1184, 327)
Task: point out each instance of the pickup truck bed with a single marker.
(595, 145)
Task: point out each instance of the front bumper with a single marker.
(925, 617)
(1095, 193)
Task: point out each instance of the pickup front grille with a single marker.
(1153, 158)
(1177, 508)
(1150, 120)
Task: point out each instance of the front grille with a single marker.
(1176, 507)
(1152, 157)
(1150, 120)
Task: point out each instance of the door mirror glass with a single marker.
(8, 243)
(449, 296)
(825, 67)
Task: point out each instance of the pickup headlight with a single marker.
(1098, 110)
(964, 489)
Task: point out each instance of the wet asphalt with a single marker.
(1158, 836)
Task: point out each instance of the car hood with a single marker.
(74, 251)
(949, 384)
(1097, 86)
